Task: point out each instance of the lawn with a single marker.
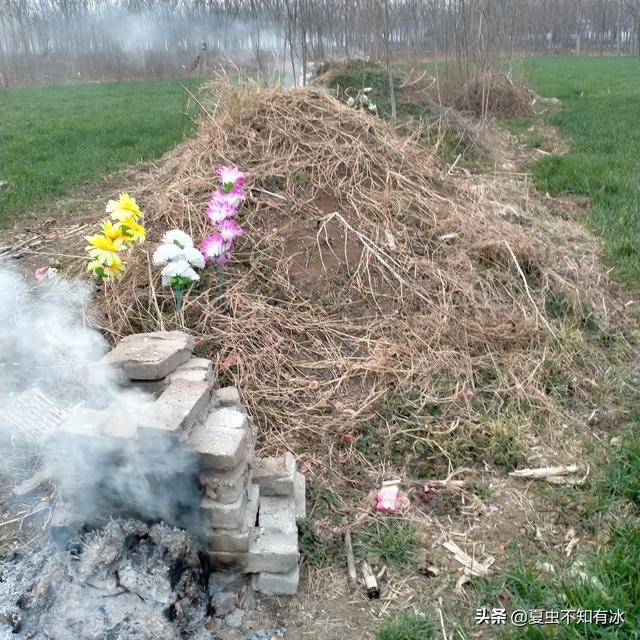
(601, 116)
(53, 139)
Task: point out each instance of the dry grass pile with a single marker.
(366, 276)
(491, 94)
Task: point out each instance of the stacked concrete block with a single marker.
(249, 506)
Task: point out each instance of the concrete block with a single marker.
(227, 397)
(225, 561)
(226, 486)
(179, 406)
(151, 356)
(194, 370)
(238, 540)
(277, 584)
(300, 495)
(225, 516)
(230, 540)
(227, 418)
(219, 448)
(277, 513)
(275, 475)
(273, 551)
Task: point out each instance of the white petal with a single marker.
(166, 252)
(194, 257)
(176, 235)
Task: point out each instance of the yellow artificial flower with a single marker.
(104, 271)
(133, 231)
(111, 230)
(124, 207)
(104, 249)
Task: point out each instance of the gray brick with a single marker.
(151, 356)
(300, 495)
(224, 560)
(275, 475)
(194, 370)
(225, 516)
(227, 418)
(238, 540)
(179, 406)
(277, 513)
(226, 486)
(227, 397)
(220, 448)
(277, 584)
(273, 551)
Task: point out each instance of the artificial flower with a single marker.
(43, 273)
(231, 178)
(104, 249)
(214, 248)
(177, 237)
(178, 269)
(233, 198)
(106, 271)
(218, 210)
(124, 207)
(172, 252)
(132, 230)
(229, 230)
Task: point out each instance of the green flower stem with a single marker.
(179, 290)
(220, 276)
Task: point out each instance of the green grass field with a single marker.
(601, 117)
(53, 139)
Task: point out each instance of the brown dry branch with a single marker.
(319, 322)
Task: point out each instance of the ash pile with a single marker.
(127, 580)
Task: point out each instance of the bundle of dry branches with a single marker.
(366, 273)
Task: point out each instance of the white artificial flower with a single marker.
(178, 268)
(176, 236)
(194, 257)
(173, 253)
(165, 253)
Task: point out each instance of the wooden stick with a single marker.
(373, 591)
(352, 576)
(544, 472)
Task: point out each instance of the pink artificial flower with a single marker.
(229, 230)
(231, 178)
(214, 249)
(235, 197)
(42, 273)
(219, 210)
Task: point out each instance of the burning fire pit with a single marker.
(155, 492)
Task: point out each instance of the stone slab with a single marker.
(277, 584)
(219, 448)
(32, 415)
(151, 356)
(275, 475)
(277, 513)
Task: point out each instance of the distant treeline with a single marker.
(60, 41)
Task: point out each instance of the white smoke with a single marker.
(49, 341)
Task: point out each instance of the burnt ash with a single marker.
(126, 581)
